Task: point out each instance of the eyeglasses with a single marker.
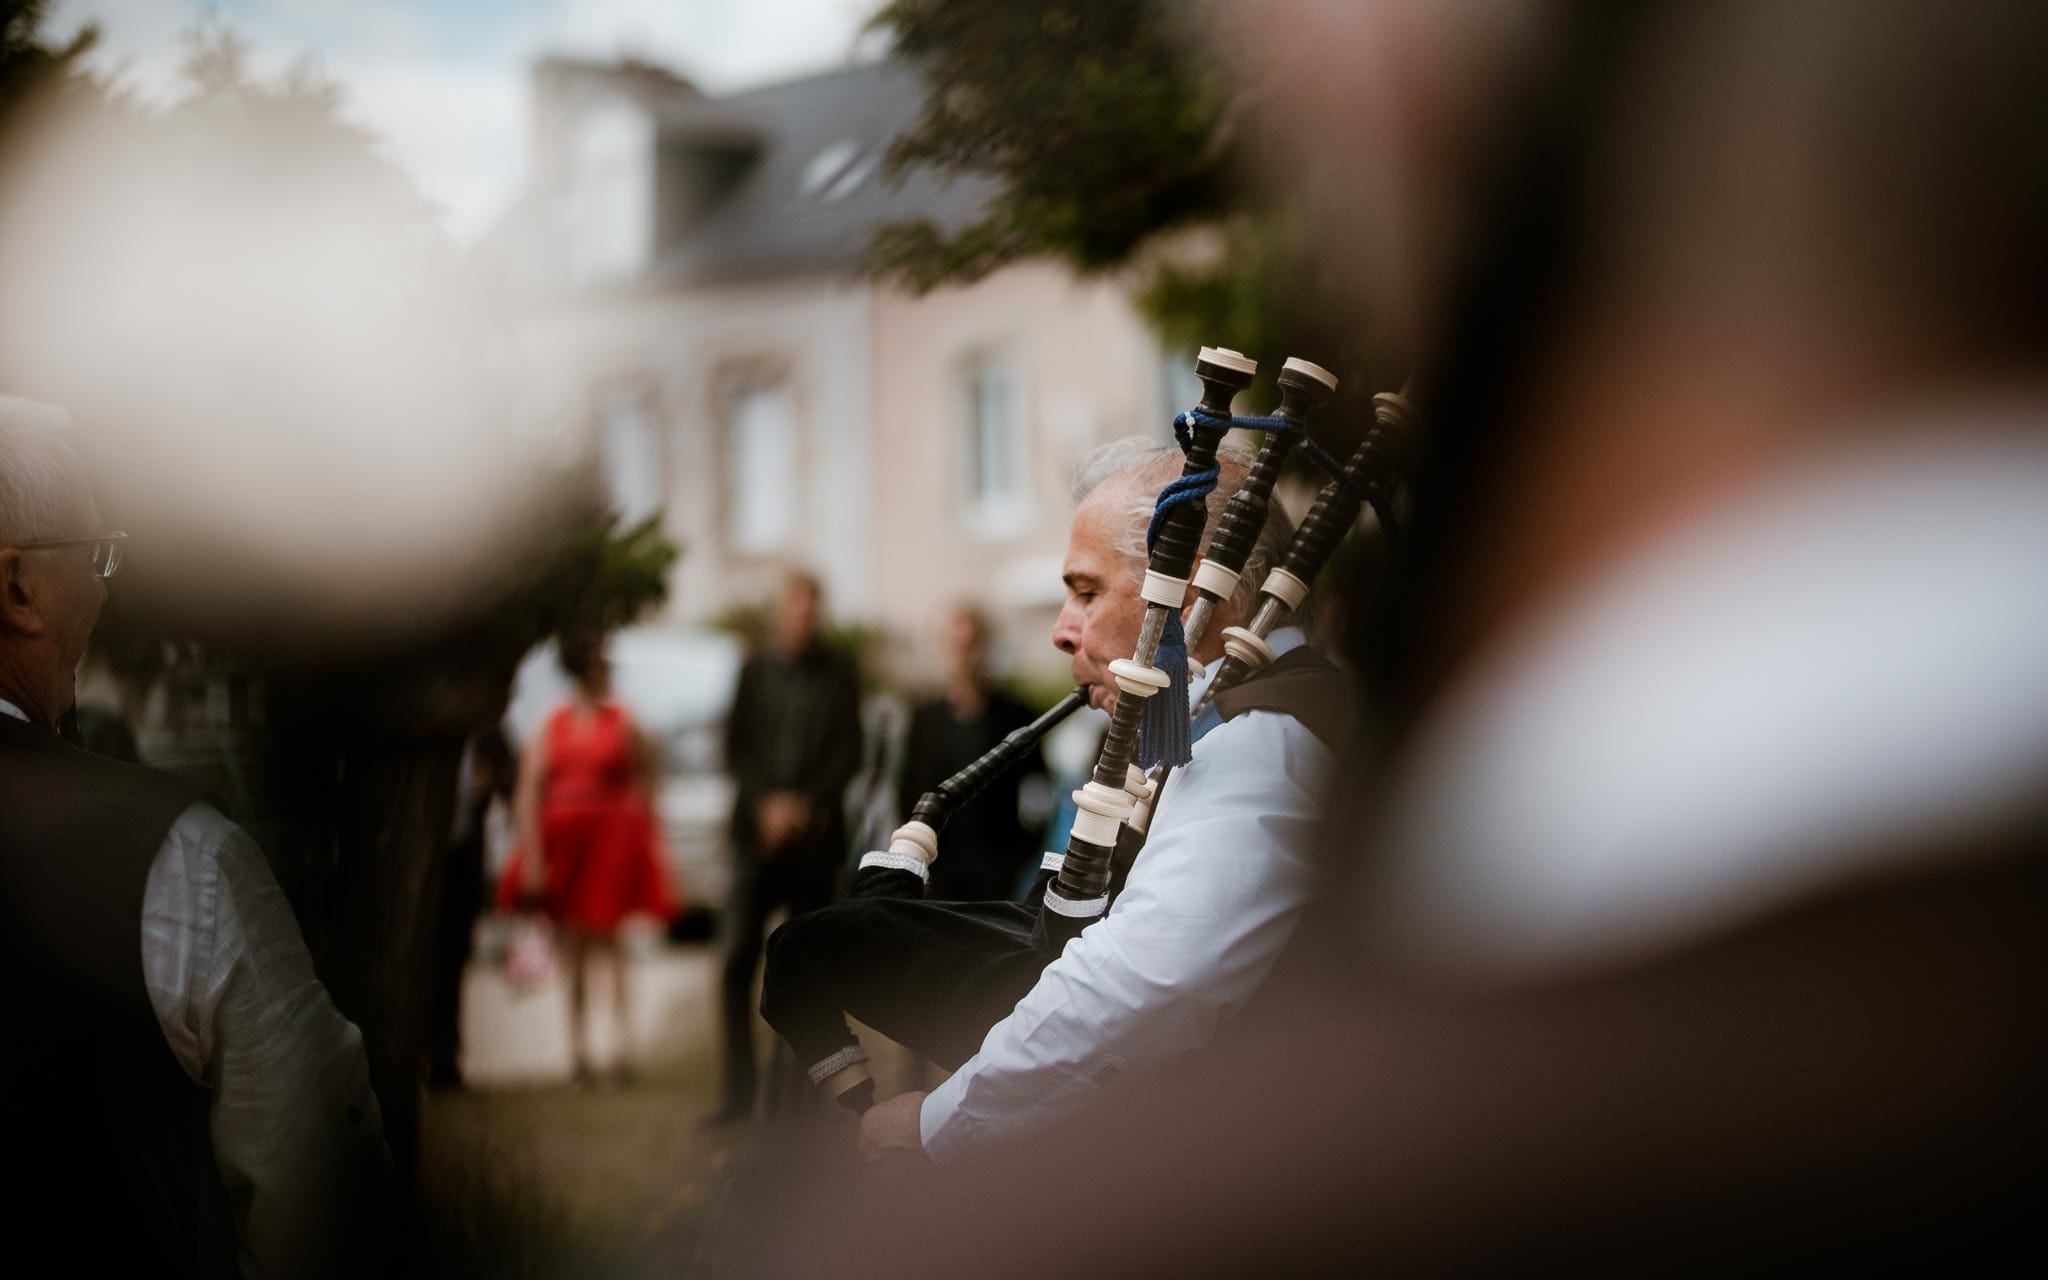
(106, 549)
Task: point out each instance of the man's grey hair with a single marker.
(1139, 467)
(38, 472)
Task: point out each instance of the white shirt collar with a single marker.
(9, 709)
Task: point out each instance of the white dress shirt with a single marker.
(1206, 910)
(297, 1134)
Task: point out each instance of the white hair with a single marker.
(38, 471)
(1139, 467)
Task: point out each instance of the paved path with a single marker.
(526, 1175)
(521, 1038)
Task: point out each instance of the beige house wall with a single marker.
(1086, 370)
(879, 381)
(683, 347)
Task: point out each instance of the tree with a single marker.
(1115, 144)
(28, 65)
(1102, 133)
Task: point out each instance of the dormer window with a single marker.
(701, 169)
(838, 170)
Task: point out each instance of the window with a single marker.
(838, 170)
(996, 478)
(759, 422)
(630, 449)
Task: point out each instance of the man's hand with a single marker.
(780, 817)
(889, 1132)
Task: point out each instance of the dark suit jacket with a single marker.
(795, 726)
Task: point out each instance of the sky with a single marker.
(443, 82)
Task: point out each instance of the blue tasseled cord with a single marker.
(1163, 732)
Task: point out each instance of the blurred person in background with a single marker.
(990, 844)
(487, 775)
(1705, 913)
(590, 845)
(792, 744)
(187, 1099)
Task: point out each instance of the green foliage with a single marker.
(1113, 142)
(1228, 299)
(1100, 130)
(28, 65)
(590, 576)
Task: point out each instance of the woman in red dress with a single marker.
(586, 801)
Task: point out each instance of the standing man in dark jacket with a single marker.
(185, 1099)
(792, 745)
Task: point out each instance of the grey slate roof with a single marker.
(787, 178)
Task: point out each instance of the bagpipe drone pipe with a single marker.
(1368, 478)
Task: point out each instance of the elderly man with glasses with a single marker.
(185, 1096)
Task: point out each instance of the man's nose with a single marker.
(1066, 631)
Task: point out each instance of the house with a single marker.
(696, 315)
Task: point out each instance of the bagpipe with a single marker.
(1367, 478)
(877, 955)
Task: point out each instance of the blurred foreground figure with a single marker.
(1702, 910)
(486, 776)
(792, 743)
(186, 1100)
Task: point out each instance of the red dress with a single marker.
(601, 844)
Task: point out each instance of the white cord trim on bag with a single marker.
(1081, 910)
(824, 1068)
(897, 862)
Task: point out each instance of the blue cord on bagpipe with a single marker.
(1163, 734)
(1332, 465)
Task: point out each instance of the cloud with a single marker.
(721, 44)
(459, 131)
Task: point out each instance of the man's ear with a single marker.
(20, 595)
